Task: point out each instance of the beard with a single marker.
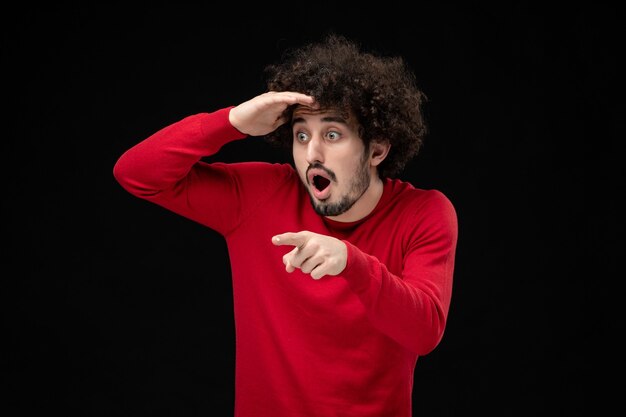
(359, 184)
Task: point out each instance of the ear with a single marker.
(378, 152)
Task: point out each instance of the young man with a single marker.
(342, 274)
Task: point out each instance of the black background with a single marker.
(113, 306)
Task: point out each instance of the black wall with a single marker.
(114, 306)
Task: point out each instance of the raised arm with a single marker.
(166, 167)
(164, 158)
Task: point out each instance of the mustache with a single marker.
(317, 165)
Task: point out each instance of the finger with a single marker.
(309, 264)
(305, 100)
(318, 272)
(296, 258)
(288, 258)
(289, 268)
(290, 238)
(291, 261)
(292, 97)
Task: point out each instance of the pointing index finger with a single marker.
(289, 238)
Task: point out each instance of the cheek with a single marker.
(299, 159)
(349, 165)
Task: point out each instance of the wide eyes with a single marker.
(301, 137)
(331, 136)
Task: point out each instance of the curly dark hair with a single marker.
(380, 91)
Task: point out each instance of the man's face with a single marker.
(331, 160)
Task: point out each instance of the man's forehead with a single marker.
(303, 110)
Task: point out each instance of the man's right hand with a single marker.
(264, 113)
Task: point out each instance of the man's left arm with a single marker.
(411, 308)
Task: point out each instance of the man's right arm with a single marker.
(166, 168)
(157, 164)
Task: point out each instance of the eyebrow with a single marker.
(327, 119)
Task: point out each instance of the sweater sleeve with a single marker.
(166, 169)
(412, 308)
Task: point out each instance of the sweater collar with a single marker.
(343, 226)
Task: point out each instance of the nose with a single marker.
(314, 150)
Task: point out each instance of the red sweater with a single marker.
(339, 346)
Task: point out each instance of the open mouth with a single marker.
(320, 180)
